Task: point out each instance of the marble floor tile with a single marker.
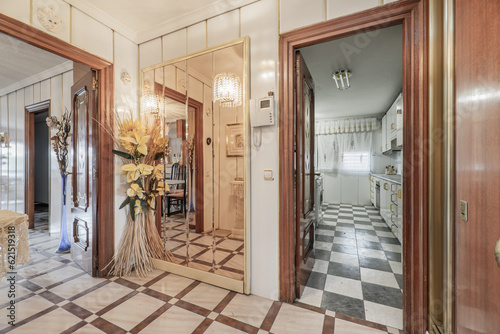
(56, 276)
(53, 322)
(321, 266)
(76, 286)
(378, 277)
(174, 320)
(248, 309)
(346, 327)
(385, 315)
(368, 252)
(88, 329)
(344, 286)
(311, 296)
(350, 259)
(291, 319)
(171, 285)
(397, 267)
(392, 248)
(344, 241)
(102, 297)
(205, 295)
(218, 328)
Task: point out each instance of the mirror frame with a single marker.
(203, 276)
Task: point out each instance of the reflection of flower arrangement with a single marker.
(191, 152)
(60, 142)
(142, 148)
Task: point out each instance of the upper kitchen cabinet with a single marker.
(392, 127)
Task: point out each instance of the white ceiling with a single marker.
(21, 61)
(376, 63)
(144, 20)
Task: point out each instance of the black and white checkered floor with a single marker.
(358, 269)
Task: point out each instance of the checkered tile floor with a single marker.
(358, 269)
(53, 295)
(225, 257)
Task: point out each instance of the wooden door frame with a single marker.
(104, 68)
(413, 14)
(29, 153)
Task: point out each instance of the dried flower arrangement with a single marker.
(60, 142)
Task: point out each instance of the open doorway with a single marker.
(357, 83)
(42, 151)
(412, 16)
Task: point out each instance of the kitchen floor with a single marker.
(358, 269)
(54, 295)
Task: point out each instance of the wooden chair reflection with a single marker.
(178, 194)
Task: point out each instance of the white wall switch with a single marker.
(268, 174)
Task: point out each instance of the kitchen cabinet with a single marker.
(372, 190)
(384, 147)
(384, 200)
(399, 122)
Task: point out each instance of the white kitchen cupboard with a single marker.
(384, 147)
(400, 214)
(372, 190)
(385, 200)
(399, 122)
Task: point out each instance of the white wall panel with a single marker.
(223, 28)
(197, 37)
(259, 22)
(336, 8)
(36, 92)
(332, 186)
(364, 190)
(349, 188)
(150, 53)
(298, 13)
(61, 9)
(20, 151)
(4, 162)
(28, 95)
(17, 9)
(11, 152)
(92, 35)
(45, 90)
(174, 45)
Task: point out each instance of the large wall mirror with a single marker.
(204, 216)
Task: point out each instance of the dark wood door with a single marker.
(83, 228)
(477, 106)
(304, 171)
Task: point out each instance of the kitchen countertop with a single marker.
(391, 178)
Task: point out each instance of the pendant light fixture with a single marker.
(152, 103)
(227, 89)
(341, 78)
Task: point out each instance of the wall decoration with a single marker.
(235, 140)
(126, 78)
(49, 19)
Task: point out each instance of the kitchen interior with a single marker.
(358, 184)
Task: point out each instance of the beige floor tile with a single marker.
(39, 268)
(293, 319)
(236, 262)
(102, 297)
(249, 309)
(230, 244)
(130, 313)
(75, 286)
(53, 322)
(56, 276)
(218, 328)
(346, 327)
(208, 256)
(230, 274)
(26, 308)
(143, 280)
(174, 320)
(20, 292)
(206, 296)
(88, 329)
(171, 285)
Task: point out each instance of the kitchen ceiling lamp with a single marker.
(227, 89)
(341, 78)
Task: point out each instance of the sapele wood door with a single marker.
(83, 220)
(477, 107)
(304, 171)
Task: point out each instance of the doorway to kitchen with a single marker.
(413, 162)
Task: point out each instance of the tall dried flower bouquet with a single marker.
(142, 149)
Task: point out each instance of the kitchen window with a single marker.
(356, 162)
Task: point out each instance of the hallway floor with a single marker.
(358, 269)
(53, 295)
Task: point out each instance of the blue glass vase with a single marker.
(64, 244)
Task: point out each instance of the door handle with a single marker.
(497, 252)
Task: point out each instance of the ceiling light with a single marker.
(341, 78)
(227, 89)
(152, 104)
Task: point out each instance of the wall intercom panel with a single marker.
(262, 111)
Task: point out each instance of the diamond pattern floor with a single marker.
(358, 269)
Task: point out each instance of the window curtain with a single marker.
(336, 137)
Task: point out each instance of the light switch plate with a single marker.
(268, 174)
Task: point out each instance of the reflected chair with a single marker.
(178, 195)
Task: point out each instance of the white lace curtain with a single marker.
(336, 143)
(327, 127)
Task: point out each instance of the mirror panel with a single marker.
(203, 215)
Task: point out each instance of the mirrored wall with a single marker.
(204, 214)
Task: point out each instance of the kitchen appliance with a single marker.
(377, 194)
(318, 198)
